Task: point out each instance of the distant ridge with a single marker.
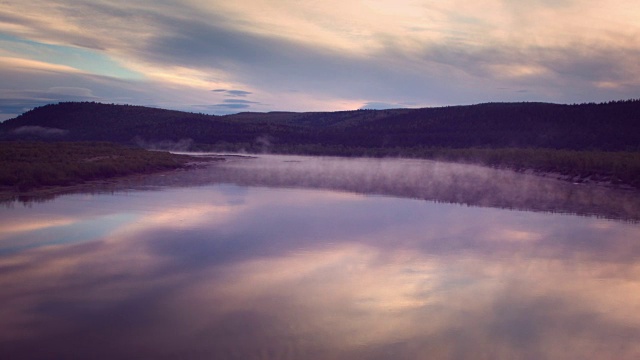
(612, 126)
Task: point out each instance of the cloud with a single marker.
(238, 93)
(228, 106)
(335, 55)
(19, 65)
(40, 84)
(279, 65)
(233, 106)
(238, 101)
(85, 60)
(438, 73)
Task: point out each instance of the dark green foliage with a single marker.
(27, 165)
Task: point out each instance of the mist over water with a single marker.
(466, 184)
(302, 258)
(432, 180)
(472, 185)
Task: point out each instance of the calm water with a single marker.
(302, 258)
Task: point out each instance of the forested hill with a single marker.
(613, 126)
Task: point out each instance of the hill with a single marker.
(613, 126)
(583, 142)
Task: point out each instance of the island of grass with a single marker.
(33, 165)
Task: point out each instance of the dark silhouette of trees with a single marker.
(498, 134)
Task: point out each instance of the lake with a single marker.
(291, 257)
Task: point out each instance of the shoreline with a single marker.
(40, 170)
(10, 194)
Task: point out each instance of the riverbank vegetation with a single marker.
(618, 168)
(580, 142)
(613, 126)
(610, 167)
(29, 165)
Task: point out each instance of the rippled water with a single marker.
(305, 258)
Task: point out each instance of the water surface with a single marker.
(301, 258)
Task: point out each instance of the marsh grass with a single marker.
(29, 165)
(614, 167)
(597, 166)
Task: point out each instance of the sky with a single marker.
(221, 57)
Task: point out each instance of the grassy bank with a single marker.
(595, 166)
(30, 165)
(618, 168)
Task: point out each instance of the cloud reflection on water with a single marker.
(225, 271)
